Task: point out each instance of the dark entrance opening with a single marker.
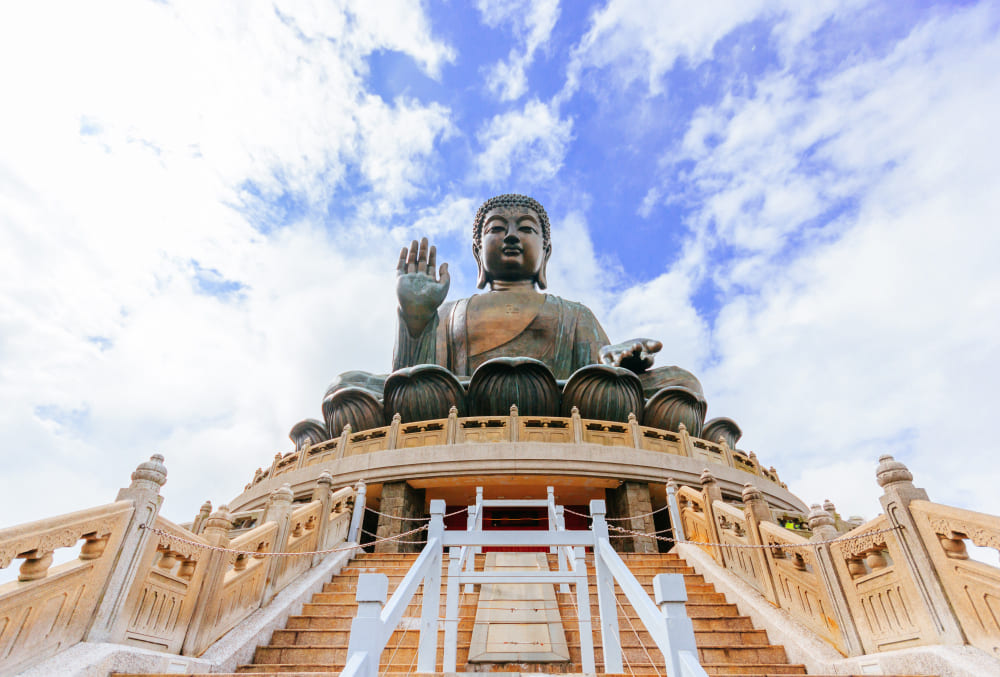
(515, 519)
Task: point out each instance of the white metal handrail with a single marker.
(669, 625)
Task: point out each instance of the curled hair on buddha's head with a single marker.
(510, 200)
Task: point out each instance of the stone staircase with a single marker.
(316, 641)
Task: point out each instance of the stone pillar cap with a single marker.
(152, 470)
(818, 517)
(751, 493)
(891, 471)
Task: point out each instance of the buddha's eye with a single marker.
(496, 228)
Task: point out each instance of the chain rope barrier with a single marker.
(253, 553)
(413, 519)
(770, 546)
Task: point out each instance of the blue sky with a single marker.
(201, 205)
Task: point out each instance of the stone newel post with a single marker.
(821, 523)
(710, 492)
(897, 484)
(215, 530)
(324, 494)
(109, 622)
(279, 509)
(756, 510)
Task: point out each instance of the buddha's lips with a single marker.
(512, 250)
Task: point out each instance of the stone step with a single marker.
(637, 654)
(349, 597)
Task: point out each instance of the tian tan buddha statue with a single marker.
(514, 344)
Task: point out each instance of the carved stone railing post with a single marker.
(358, 516)
(710, 492)
(109, 621)
(345, 434)
(577, 426)
(756, 510)
(676, 525)
(393, 441)
(727, 452)
(821, 523)
(279, 510)
(216, 563)
(686, 443)
(897, 484)
(324, 494)
(513, 423)
(203, 513)
(636, 433)
(452, 432)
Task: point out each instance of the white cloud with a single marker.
(643, 41)
(523, 146)
(532, 21)
(122, 156)
(878, 333)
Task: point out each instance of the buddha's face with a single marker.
(513, 245)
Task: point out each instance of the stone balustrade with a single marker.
(901, 580)
(50, 607)
(515, 428)
(143, 580)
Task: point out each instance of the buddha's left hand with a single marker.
(635, 355)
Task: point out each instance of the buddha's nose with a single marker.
(511, 237)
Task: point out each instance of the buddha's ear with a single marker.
(540, 278)
(482, 279)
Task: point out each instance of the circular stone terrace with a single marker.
(516, 457)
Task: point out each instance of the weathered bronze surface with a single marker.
(522, 381)
(308, 432)
(352, 406)
(423, 393)
(674, 405)
(604, 393)
(724, 428)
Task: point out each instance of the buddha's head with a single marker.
(511, 240)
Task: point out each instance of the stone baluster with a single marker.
(109, 620)
(344, 440)
(452, 430)
(199, 520)
(756, 510)
(279, 510)
(676, 525)
(710, 492)
(821, 523)
(324, 494)
(274, 465)
(898, 490)
(358, 513)
(686, 444)
(35, 566)
(636, 433)
(216, 563)
(727, 453)
(303, 455)
(393, 441)
(577, 426)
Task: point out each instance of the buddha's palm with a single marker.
(635, 355)
(419, 287)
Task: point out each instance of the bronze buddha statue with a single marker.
(521, 334)
(511, 243)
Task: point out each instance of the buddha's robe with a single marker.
(563, 334)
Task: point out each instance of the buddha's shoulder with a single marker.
(573, 307)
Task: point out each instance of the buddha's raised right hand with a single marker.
(419, 287)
